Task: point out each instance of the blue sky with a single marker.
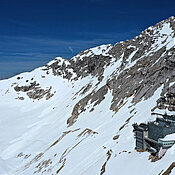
(33, 32)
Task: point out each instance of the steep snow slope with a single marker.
(75, 117)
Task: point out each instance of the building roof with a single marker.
(169, 137)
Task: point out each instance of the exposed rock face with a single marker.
(144, 78)
(94, 97)
(34, 91)
(26, 88)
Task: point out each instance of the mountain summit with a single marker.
(75, 116)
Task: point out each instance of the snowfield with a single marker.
(35, 137)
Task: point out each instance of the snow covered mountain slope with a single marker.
(74, 117)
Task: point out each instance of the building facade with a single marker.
(149, 136)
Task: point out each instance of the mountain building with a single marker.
(156, 134)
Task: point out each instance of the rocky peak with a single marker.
(93, 60)
(142, 66)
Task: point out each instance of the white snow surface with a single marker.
(99, 50)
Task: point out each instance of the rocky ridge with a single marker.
(145, 63)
